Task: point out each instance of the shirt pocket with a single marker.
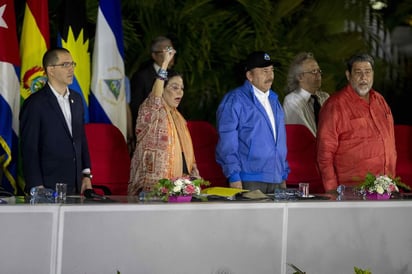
(358, 128)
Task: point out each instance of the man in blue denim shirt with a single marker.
(252, 136)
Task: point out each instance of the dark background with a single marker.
(213, 36)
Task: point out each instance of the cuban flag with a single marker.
(107, 102)
(9, 96)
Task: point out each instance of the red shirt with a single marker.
(355, 137)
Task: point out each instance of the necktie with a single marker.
(316, 107)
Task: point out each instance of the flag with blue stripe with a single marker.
(9, 96)
(107, 101)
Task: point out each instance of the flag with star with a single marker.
(34, 42)
(9, 96)
(107, 102)
(73, 35)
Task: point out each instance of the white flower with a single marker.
(178, 186)
(179, 182)
(177, 189)
(379, 189)
(382, 184)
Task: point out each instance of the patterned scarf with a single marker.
(162, 136)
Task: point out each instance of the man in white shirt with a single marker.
(303, 84)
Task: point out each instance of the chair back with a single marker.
(403, 139)
(204, 138)
(109, 156)
(301, 158)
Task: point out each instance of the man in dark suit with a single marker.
(53, 140)
(142, 81)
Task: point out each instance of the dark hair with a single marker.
(51, 57)
(296, 68)
(170, 74)
(359, 57)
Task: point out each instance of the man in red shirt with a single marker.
(356, 130)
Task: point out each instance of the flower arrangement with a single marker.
(182, 186)
(381, 184)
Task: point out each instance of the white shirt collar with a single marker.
(65, 96)
(260, 94)
(305, 94)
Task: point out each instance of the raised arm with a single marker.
(168, 54)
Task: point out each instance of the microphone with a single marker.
(89, 193)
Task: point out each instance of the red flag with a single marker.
(8, 51)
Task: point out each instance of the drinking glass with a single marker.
(304, 189)
(61, 192)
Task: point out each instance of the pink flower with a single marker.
(190, 189)
(164, 190)
(392, 188)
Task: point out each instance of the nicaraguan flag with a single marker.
(73, 36)
(107, 102)
(9, 96)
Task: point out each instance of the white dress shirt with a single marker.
(263, 98)
(298, 107)
(64, 104)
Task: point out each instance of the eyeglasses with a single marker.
(314, 71)
(65, 65)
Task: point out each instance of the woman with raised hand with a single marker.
(163, 144)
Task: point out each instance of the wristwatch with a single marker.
(88, 175)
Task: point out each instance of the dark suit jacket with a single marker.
(50, 153)
(141, 85)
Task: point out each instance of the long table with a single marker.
(208, 237)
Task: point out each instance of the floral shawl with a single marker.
(161, 138)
